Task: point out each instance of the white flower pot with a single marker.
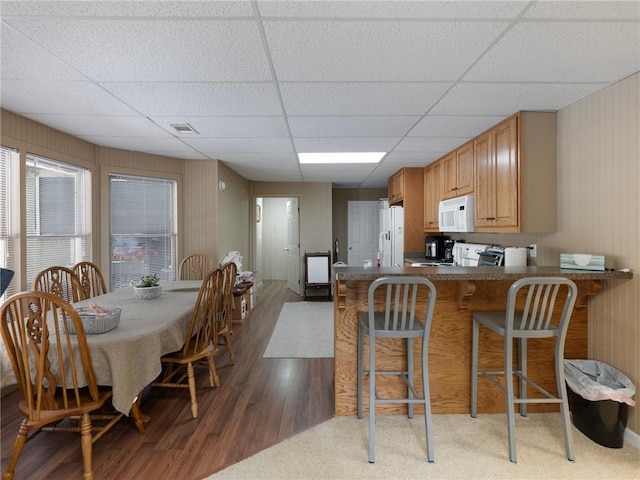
(147, 293)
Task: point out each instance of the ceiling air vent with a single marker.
(183, 128)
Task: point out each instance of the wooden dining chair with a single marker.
(225, 326)
(91, 279)
(61, 282)
(200, 345)
(54, 372)
(195, 267)
(229, 271)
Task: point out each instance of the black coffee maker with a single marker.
(434, 247)
(448, 250)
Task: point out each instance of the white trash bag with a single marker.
(594, 380)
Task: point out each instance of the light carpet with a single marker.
(303, 330)
(464, 448)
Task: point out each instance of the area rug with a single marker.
(464, 448)
(303, 330)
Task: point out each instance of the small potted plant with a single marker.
(148, 288)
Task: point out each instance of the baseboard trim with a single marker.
(632, 437)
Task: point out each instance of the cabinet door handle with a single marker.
(490, 218)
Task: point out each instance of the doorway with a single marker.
(362, 231)
(277, 240)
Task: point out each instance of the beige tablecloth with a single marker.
(128, 357)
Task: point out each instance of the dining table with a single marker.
(127, 358)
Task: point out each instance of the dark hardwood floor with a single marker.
(260, 402)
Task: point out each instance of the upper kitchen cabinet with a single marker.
(433, 187)
(457, 172)
(396, 187)
(515, 175)
(406, 189)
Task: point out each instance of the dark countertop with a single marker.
(476, 273)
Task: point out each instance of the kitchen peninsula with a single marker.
(460, 292)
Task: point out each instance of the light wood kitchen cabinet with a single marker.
(458, 172)
(396, 187)
(515, 175)
(433, 190)
(408, 186)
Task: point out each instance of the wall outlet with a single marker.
(533, 250)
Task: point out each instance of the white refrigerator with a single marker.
(391, 239)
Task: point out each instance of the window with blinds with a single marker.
(58, 214)
(142, 228)
(8, 204)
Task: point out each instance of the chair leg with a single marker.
(87, 443)
(372, 397)
(227, 343)
(18, 445)
(508, 380)
(428, 421)
(191, 378)
(214, 380)
(522, 366)
(360, 370)
(410, 376)
(564, 407)
(474, 369)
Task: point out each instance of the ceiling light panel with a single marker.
(340, 157)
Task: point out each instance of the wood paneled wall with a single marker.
(598, 212)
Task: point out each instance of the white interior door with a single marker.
(362, 231)
(293, 245)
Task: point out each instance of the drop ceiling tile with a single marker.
(362, 126)
(582, 52)
(198, 99)
(127, 9)
(188, 155)
(258, 174)
(416, 159)
(360, 98)
(106, 126)
(22, 59)
(59, 98)
(376, 51)
(268, 160)
(454, 126)
(357, 144)
(391, 9)
(139, 144)
(207, 145)
(582, 9)
(154, 50)
(229, 126)
(429, 144)
(508, 98)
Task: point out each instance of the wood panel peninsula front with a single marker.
(460, 292)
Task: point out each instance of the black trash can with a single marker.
(599, 398)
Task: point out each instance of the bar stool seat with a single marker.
(399, 320)
(542, 297)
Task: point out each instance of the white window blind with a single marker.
(58, 214)
(8, 203)
(142, 228)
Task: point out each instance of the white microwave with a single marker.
(456, 214)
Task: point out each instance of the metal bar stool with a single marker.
(398, 320)
(542, 296)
